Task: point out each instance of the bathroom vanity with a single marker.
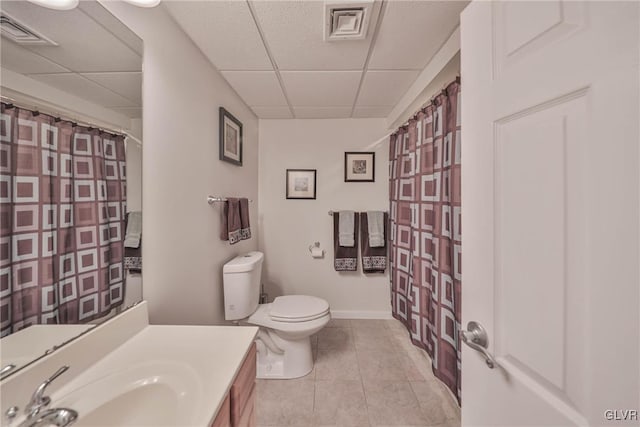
(126, 372)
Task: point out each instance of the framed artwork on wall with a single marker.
(359, 166)
(230, 138)
(301, 183)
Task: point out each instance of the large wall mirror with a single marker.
(71, 175)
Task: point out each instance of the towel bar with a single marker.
(212, 199)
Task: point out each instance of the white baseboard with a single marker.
(356, 314)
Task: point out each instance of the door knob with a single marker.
(476, 337)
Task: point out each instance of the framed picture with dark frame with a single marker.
(359, 166)
(230, 138)
(301, 183)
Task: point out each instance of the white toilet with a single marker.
(284, 347)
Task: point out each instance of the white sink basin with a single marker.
(156, 393)
(129, 373)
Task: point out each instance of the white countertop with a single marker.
(210, 355)
(126, 372)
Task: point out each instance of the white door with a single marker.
(550, 192)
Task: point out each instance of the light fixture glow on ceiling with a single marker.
(57, 4)
(144, 3)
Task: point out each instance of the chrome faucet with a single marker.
(35, 417)
(59, 417)
(38, 399)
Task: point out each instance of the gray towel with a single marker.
(375, 224)
(134, 230)
(374, 260)
(345, 258)
(346, 235)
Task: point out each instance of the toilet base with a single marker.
(282, 359)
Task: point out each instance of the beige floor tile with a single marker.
(334, 364)
(284, 402)
(395, 324)
(368, 339)
(451, 408)
(449, 423)
(381, 365)
(416, 370)
(392, 403)
(339, 323)
(432, 401)
(335, 338)
(369, 323)
(314, 346)
(340, 403)
(399, 386)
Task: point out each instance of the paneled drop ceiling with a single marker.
(274, 55)
(97, 58)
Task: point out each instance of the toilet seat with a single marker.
(298, 308)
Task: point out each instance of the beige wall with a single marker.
(288, 227)
(183, 255)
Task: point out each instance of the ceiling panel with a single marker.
(126, 84)
(321, 88)
(366, 112)
(322, 112)
(225, 31)
(273, 112)
(294, 33)
(77, 85)
(22, 61)
(107, 52)
(381, 88)
(412, 32)
(257, 87)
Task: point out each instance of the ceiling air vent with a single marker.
(346, 20)
(20, 33)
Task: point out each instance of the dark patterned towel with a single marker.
(245, 227)
(235, 220)
(345, 258)
(374, 260)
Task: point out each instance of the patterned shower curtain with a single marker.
(424, 190)
(62, 195)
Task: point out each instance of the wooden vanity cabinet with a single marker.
(238, 409)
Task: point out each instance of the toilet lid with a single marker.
(298, 308)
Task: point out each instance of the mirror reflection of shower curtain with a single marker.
(425, 236)
(63, 204)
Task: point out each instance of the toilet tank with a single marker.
(241, 281)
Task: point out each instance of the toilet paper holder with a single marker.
(315, 250)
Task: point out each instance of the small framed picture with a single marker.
(359, 167)
(230, 138)
(301, 183)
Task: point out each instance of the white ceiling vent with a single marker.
(346, 20)
(20, 33)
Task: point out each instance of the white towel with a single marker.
(134, 230)
(346, 236)
(375, 226)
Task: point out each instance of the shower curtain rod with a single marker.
(61, 117)
(429, 102)
(213, 199)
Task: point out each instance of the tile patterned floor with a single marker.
(367, 373)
